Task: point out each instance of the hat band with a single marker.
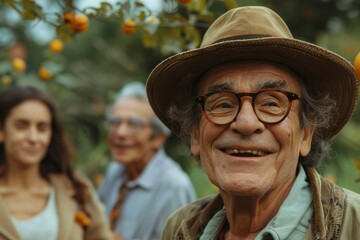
(243, 37)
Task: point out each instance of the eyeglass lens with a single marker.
(270, 106)
(134, 124)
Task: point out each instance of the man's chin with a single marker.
(244, 186)
(121, 159)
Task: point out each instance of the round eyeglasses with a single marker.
(270, 105)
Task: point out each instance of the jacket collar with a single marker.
(7, 229)
(65, 204)
(148, 179)
(329, 202)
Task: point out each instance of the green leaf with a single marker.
(230, 4)
(31, 10)
(150, 40)
(196, 6)
(66, 80)
(5, 67)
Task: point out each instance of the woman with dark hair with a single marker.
(41, 196)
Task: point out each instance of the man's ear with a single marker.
(195, 143)
(306, 140)
(158, 140)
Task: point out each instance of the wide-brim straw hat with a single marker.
(255, 33)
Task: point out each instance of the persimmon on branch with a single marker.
(182, 21)
(179, 26)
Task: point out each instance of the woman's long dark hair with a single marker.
(60, 155)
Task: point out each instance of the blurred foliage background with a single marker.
(102, 45)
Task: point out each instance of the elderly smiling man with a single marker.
(258, 109)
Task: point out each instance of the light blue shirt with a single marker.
(291, 221)
(162, 188)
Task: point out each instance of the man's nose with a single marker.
(246, 121)
(122, 128)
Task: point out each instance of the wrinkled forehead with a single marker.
(249, 76)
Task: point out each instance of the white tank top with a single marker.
(43, 226)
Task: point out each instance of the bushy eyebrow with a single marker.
(277, 84)
(220, 87)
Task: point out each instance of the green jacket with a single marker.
(336, 214)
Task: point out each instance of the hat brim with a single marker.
(323, 71)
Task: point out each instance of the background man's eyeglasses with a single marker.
(270, 105)
(134, 125)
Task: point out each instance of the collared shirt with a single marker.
(161, 189)
(291, 221)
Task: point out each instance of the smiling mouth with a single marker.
(122, 145)
(244, 153)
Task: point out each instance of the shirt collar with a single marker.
(293, 210)
(147, 178)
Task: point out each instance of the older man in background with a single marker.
(142, 185)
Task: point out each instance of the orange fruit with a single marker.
(82, 219)
(153, 20)
(18, 64)
(98, 179)
(69, 17)
(45, 74)
(56, 46)
(80, 23)
(129, 27)
(357, 65)
(184, 1)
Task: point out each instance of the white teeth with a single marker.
(237, 151)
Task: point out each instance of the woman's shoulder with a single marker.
(65, 181)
